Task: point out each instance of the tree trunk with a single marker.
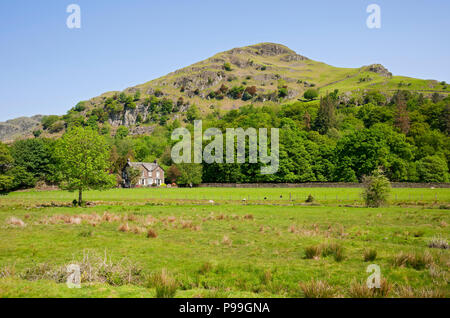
(80, 196)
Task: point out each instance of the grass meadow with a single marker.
(210, 242)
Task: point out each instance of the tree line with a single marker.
(332, 139)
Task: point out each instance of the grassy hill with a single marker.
(257, 74)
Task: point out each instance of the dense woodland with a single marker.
(331, 139)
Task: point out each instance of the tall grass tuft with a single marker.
(438, 242)
(333, 249)
(312, 252)
(360, 290)
(370, 255)
(165, 285)
(317, 289)
(415, 260)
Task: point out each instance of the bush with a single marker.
(37, 133)
(282, 92)
(56, 127)
(227, 66)
(310, 94)
(376, 189)
(47, 121)
(309, 199)
(432, 169)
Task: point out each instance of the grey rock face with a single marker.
(18, 127)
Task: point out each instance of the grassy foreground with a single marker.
(152, 242)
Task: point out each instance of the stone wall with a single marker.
(321, 185)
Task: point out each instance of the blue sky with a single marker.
(46, 68)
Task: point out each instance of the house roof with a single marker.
(150, 166)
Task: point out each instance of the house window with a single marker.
(150, 181)
(157, 174)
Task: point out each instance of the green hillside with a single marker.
(261, 74)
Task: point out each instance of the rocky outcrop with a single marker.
(379, 69)
(19, 127)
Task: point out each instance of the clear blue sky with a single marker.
(46, 68)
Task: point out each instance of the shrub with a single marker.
(309, 199)
(370, 255)
(376, 189)
(227, 66)
(310, 94)
(282, 92)
(37, 133)
(79, 107)
(56, 127)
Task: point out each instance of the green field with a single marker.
(273, 247)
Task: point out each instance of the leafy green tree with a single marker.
(6, 183)
(133, 175)
(173, 173)
(432, 169)
(282, 92)
(22, 179)
(137, 95)
(6, 160)
(47, 121)
(377, 189)
(81, 106)
(83, 156)
(326, 116)
(365, 150)
(191, 174)
(122, 132)
(310, 94)
(36, 157)
(372, 114)
(37, 133)
(192, 113)
(166, 106)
